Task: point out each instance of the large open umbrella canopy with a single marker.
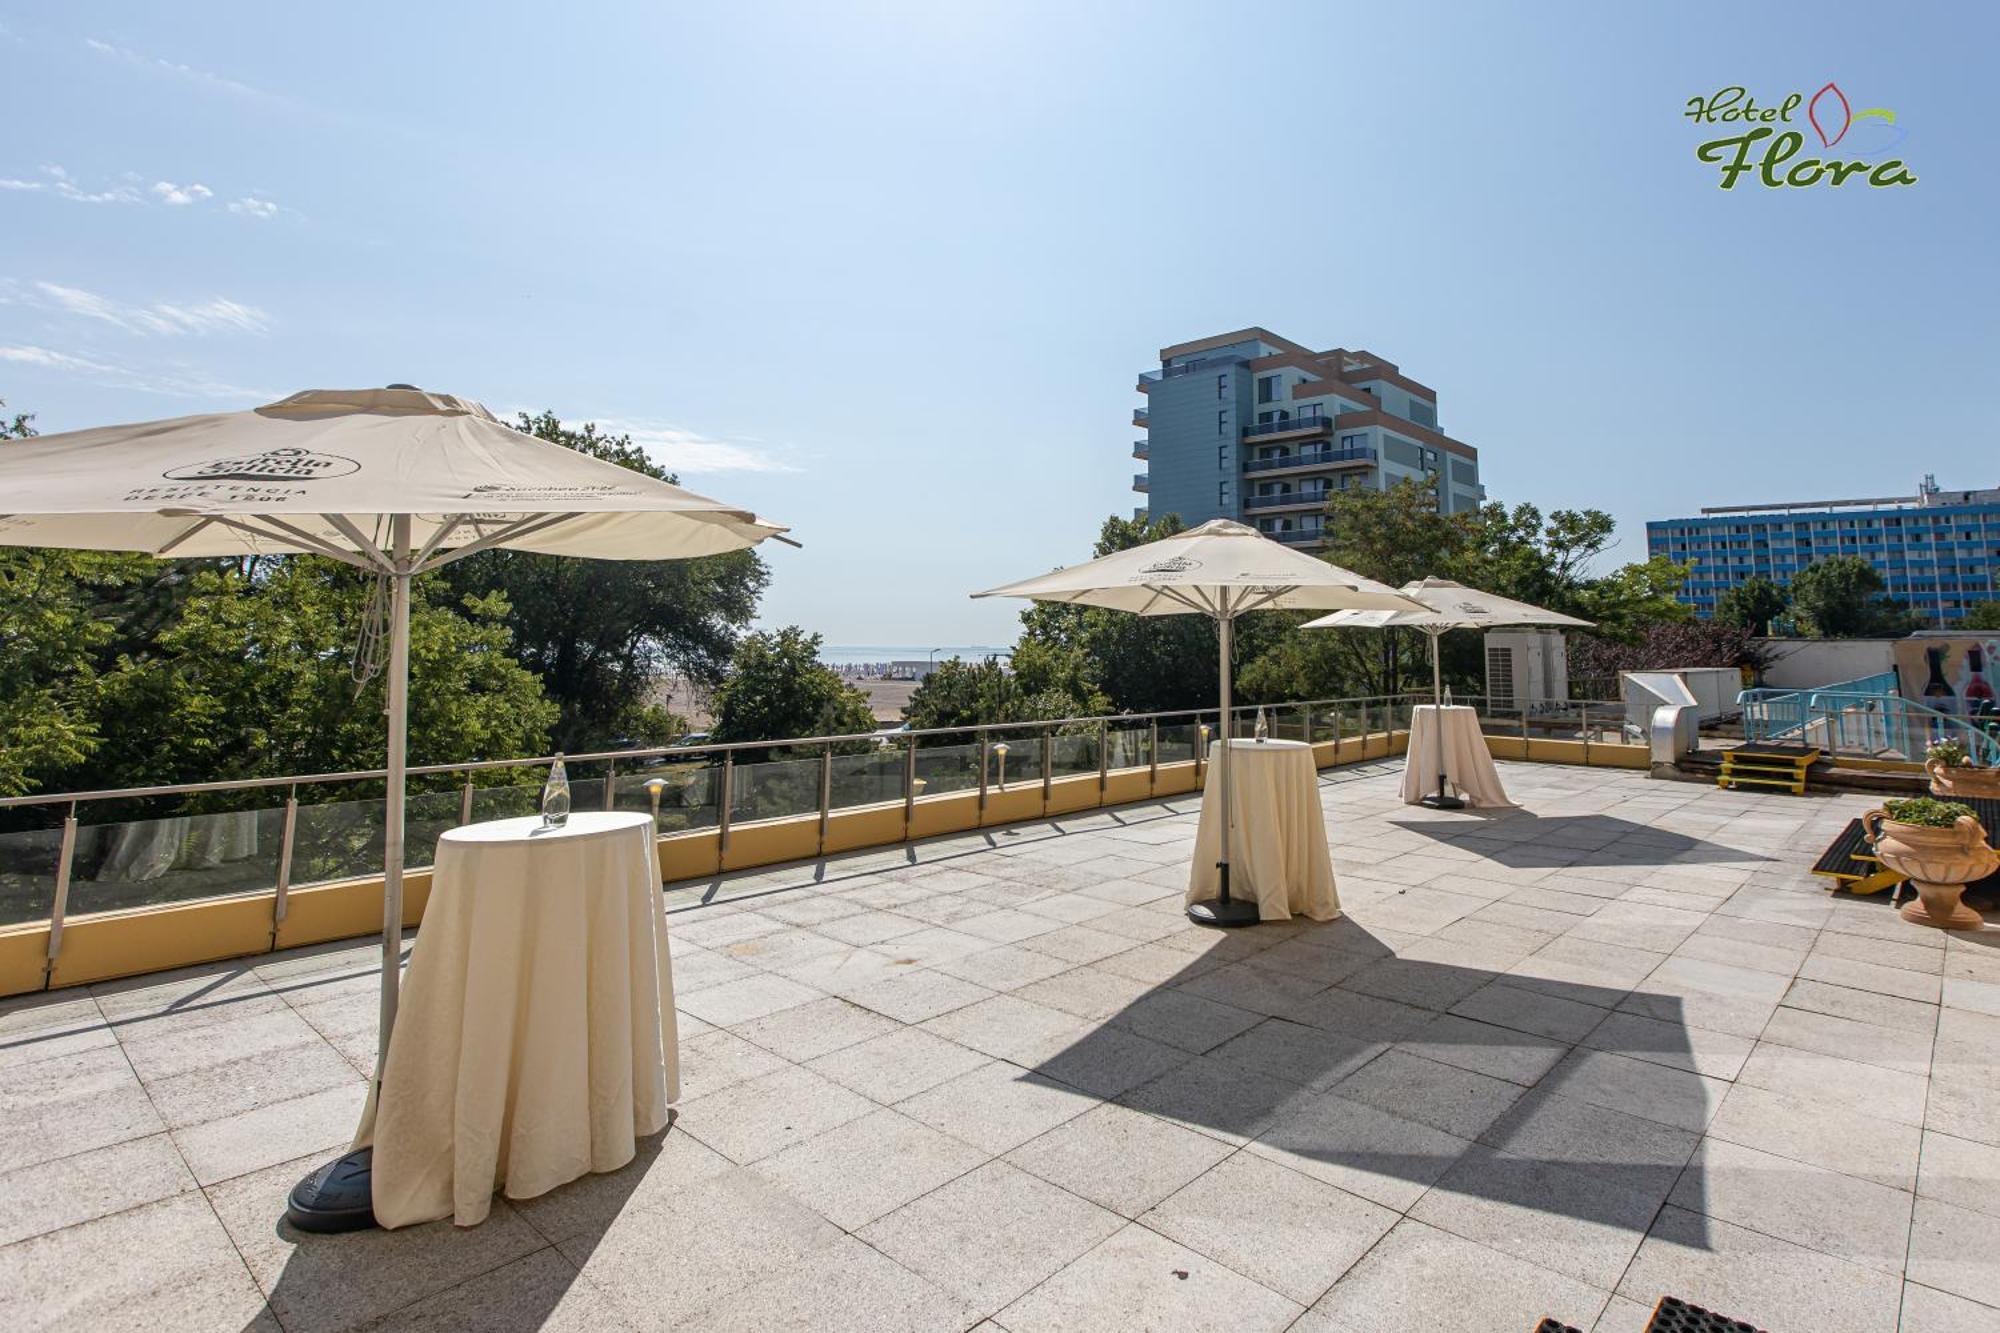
(1447, 606)
(1221, 570)
(396, 481)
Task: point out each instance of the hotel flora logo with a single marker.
(1766, 143)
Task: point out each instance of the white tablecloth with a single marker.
(536, 1038)
(1277, 833)
(1468, 764)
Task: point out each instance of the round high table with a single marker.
(1277, 833)
(535, 1041)
(1468, 764)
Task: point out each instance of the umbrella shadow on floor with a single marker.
(1535, 1108)
(1522, 838)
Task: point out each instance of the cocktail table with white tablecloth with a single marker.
(1468, 764)
(1277, 833)
(536, 1040)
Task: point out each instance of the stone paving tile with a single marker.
(1285, 1230)
(869, 1166)
(1889, 1093)
(998, 1106)
(1139, 1279)
(71, 1104)
(1853, 1143)
(1362, 1149)
(1420, 1277)
(50, 1196)
(1891, 1048)
(542, 1293)
(1926, 1310)
(1762, 1279)
(1956, 1250)
(991, 1235)
(1848, 1218)
(1119, 1158)
(753, 1119)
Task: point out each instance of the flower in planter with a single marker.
(1926, 811)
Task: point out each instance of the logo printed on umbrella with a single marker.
(1173, 564)
(271, 465)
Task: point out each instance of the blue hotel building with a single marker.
(1938, 551)
(1254, 427)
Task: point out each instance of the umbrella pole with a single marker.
(1439, 801)
(339, 1195)
(392, 828)
(1222, 910)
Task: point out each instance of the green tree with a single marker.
(778, 688)
(1982, 617)
(1753, 604)
(255, 679)
(603, 634)
(958, 693)
(1843, 597)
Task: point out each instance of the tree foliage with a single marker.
(958, 693)
(1844, 597)
(1753, 604)
(778, 688)
(602, 633)
(1981, 617)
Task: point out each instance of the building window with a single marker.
(1220, 381)
(1222, 422)
(1267, 389)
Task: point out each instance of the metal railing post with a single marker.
(1586, 735)
(1364, 727)
(280, 903)
(1103, 760)
(1048, 765)
(464, 801)
(724, 801)
(909, 787)
(611, 785)
(59, 909)
(825, 793)
(1152, 756)
(985, 759)
(1337, 723)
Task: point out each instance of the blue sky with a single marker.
(885, 271)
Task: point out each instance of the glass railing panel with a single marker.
(1019, 765)
(337, 840)
(688, 795)
(140, 862)
(1177, 742)
(1070, 754)
(867, 779)
(28, 874)
(775, 789)
(947, 768)
(511, 802)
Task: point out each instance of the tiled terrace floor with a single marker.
(1558, 1060)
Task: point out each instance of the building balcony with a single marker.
(1298, 536)
(1261, 430)
(1140, 482)
(1139, 417)
(1286, 500)
(1141, 450)
(1311, 459)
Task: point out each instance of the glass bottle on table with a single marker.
(555, 796)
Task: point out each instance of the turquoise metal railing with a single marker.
(1892, 727)
(1783, 715)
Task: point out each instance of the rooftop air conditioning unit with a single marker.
(1527, 670)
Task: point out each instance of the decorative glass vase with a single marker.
(555, 796)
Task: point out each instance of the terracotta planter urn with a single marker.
(1939, 862)
(1960, 781)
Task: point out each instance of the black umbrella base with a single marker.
(1216, 912)
(1439, 801)
(336, 1197)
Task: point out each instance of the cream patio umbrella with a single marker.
(1221, 570)
(395, 481)
(1447, 606)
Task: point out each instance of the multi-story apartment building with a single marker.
(1939, 551)
(1254, 427)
